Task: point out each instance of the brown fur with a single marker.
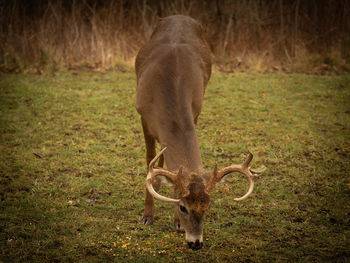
(173, 70)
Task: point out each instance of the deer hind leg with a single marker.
(150, 154)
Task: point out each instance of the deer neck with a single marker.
(182, 150)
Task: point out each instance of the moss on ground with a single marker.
(72, 170)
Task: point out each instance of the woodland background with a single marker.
(261, 35)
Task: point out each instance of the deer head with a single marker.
(193, 194)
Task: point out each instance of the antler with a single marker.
(241, 168)
(153, 172)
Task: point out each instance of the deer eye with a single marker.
(183, 209)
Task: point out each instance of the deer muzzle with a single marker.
(194, 242)
(195, 245)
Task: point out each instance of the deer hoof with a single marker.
(147, 220)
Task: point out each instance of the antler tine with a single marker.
(258, 171)
(153, 172)
(248, 160)
(243, 169)
(151, 164)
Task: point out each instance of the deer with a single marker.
(172, 70)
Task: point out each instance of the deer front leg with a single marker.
(177, 223)
(148, 212)
(150, 154)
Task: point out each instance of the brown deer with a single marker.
(173, 70)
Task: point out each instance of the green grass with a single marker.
(72, 170)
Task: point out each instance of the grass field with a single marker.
(72, 170)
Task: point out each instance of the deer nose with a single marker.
(195, 245)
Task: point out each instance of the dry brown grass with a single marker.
(244, 35)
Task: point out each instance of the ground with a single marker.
(72, 170)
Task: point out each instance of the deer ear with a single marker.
(223, 179)
(212, 180)
(165, 181)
